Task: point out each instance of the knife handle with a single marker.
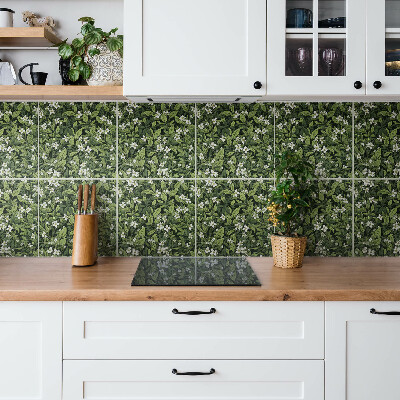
(80, 190)
(93, 198)
(85, 199)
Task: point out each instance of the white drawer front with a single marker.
(240, 380)
(237, 330)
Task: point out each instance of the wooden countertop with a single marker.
(53, 279)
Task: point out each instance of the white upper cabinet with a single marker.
(383, 47)
(362, 351)
(208, 48)
(316, 47)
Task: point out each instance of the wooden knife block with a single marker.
(84, 251)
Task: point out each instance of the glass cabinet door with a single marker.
(383, 47)
(316, 47)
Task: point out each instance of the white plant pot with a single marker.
(107, 67)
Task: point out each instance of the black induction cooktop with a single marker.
(194, 271)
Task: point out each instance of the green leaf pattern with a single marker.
(58, 203)
(18, 218)
(156, 218)
(377, 140)
(321, 132)
(166, 195)
(231, 218)
(327, 223)
(77, 140)
(18, 140)
(377, 218)
(156, 140)
(235, 140)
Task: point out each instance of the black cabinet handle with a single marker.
(257, 85)
(357, 84)
(175, 372)
(377, 84)
(212, 311)
(373, 311)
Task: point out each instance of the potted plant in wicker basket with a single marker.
(286, 202)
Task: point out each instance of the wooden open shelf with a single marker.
(72, 93)
(27, 37)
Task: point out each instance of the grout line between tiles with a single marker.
(352, 183)
(189, 179)
(38, 178)
(195, 180)
(116, 181)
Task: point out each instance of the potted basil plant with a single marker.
(289, 199)
(96, 56)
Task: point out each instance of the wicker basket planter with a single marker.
(288, 252)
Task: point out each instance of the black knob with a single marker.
(257, 85)
(357, 84)
(377, 84)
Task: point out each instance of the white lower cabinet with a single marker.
(151, 379)
(30, 350)
(240, 351)
(362, 351)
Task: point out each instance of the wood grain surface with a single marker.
(84, 249)
(53, 279)
(55, 92)
(27, 37)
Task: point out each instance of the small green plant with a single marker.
(292, 192)
(85, 46)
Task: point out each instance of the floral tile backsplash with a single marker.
(377, 140)
(77, 140)
(231, 218)
(186, 179)
(235, 140)
(156, 217)
(377, 217)
(57, 208)
(322, 132)
(18, 140)
(156, 141)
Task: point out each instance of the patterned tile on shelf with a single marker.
(235, 140)
(77, 140)
(18, 140)
(156, 218)
(18, 219)
(156, 140)
(377, 218)
(320, 132)
(58, 203)
(232, 218)
(377, 140)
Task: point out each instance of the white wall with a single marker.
(108, 14)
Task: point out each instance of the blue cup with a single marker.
(299, 18)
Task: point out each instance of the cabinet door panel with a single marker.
(194, 47)
(315, 56)
(30, 350)
(154, 380)
(383, 44)
(237, 330)
(362, 351)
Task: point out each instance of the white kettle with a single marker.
(7, 74)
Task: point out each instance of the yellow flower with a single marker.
(289, 206)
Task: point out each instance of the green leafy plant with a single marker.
(86, 46)
(292, 192)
